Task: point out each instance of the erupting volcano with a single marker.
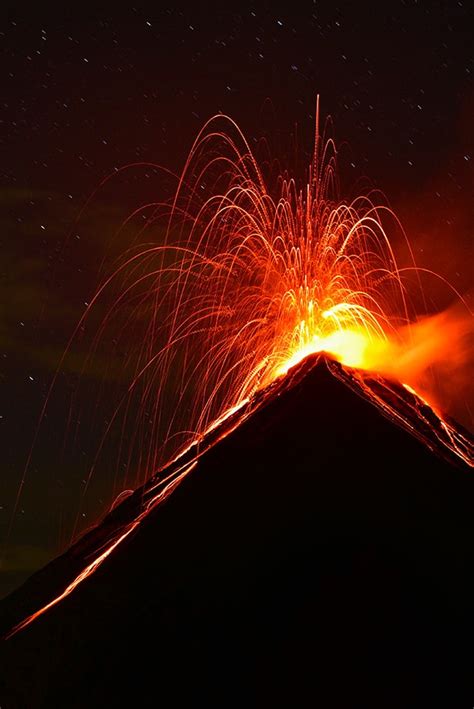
(253, 275)
(250, 274)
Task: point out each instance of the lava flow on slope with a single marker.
(310, 537)
(305, 552)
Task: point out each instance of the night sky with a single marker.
(84, 94)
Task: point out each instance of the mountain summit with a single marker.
(309, 551)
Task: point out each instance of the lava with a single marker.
(238, 277)
(247, 281)
(443, 339)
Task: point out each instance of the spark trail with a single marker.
(247, 281)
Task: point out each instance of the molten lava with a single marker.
(243, 282)
(234, 280)
(241, 276)
(444, 339)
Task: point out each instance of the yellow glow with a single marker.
(351, 348)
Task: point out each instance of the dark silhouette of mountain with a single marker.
(316, 555)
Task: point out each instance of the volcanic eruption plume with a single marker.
(246, 280)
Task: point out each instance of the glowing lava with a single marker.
(238, 277)
(243, 282)
(443, 339)
(350, 347)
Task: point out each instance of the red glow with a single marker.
(247, 282)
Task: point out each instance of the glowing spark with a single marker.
(248, 279)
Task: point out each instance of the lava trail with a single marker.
(330, 541)
(250, 276)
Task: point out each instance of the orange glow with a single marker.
(241, 276)
(353, 348)
(243, 282)
(444, 339)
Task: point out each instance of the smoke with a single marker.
(435, 355)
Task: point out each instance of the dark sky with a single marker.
(86, 93)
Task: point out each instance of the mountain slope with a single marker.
(316, 555)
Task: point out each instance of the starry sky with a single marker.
(84, 94)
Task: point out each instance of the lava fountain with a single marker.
(244, 282)
(247, 280)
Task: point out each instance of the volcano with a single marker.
(315, 548)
